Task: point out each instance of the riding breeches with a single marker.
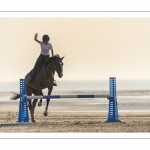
(39, 62)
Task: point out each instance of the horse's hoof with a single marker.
(39, 104)
(45, 113)
(33, 121)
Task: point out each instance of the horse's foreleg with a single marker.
(40, 102)
(47, 101)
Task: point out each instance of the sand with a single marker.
(81, 115)
(77, 122)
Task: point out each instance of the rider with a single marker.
(45, 48)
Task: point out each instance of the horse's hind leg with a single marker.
(34, 103)
(31, 110)
(29, 93)
(40, 102)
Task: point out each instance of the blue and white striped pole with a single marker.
(69, 96)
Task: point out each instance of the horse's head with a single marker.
(59, 65)
(56, 64)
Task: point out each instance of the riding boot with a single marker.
(54, 83)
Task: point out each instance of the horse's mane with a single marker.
(50, 59)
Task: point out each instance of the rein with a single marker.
(54, 67)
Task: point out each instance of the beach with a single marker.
(77, 122)
(81, 115)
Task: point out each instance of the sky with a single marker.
(94, 48)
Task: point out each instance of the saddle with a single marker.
(31, 74)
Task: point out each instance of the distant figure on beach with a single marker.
(45, 48)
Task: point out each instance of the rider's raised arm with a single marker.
(35, 38)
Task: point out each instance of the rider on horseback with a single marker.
(45, 48)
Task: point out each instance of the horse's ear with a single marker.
(62, 58)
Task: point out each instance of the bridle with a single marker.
(56, 61)
(56, 64)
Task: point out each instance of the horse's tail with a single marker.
(15, 96)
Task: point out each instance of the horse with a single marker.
(43, 80)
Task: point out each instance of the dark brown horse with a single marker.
(42, 81)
